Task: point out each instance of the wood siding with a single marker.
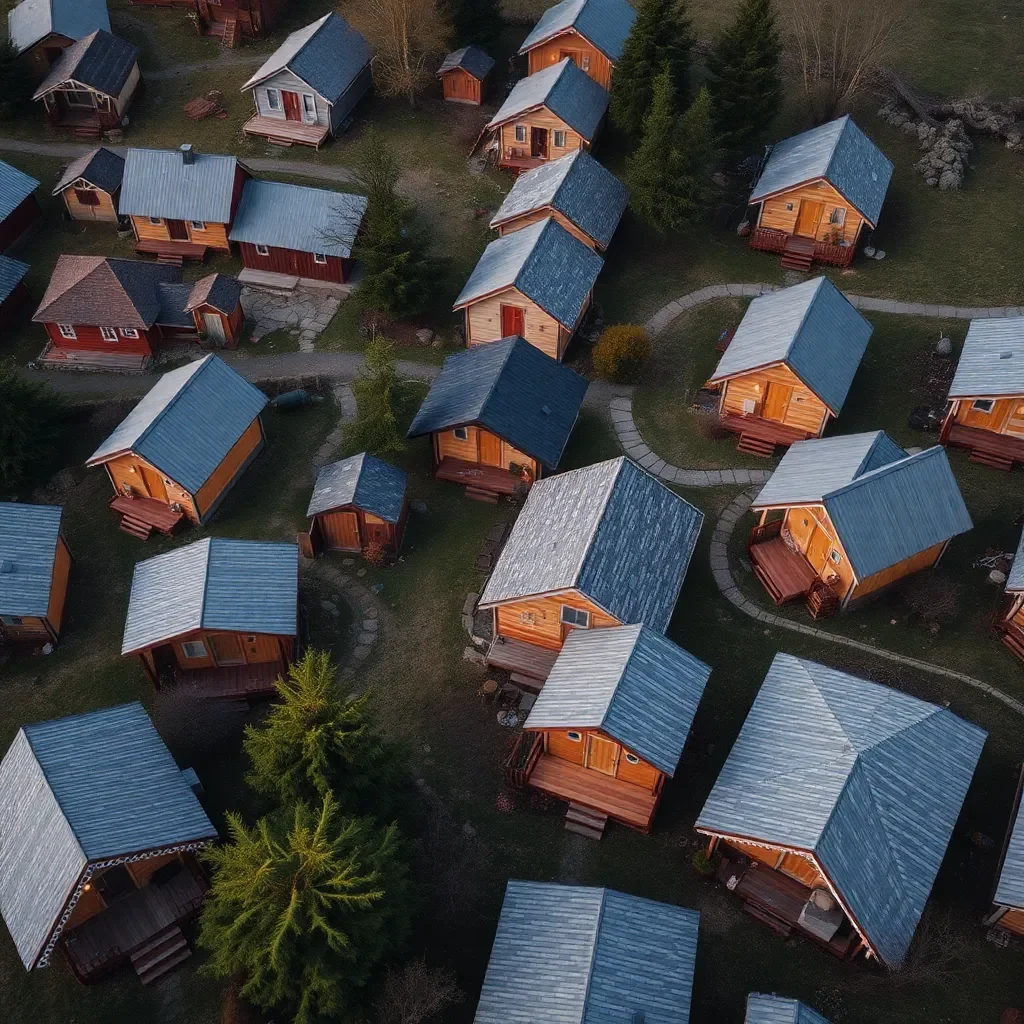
(782, 212)
(584, 54)
(59, 586)
(215, 236)
(540, 118)
(132, 471)
(351, 529)
(538, 620)
(461, 87)
(224, 475)
(285, 81)
(803, 410)
(611, 755)
(531, 218)
(90, 339)
(447, 445)
(30, 630)
(18, 221)
(1006, 417)
(798, 866)
(915, 563)
(483, 322)
(295, 263)
(36, 59)
(104, 209)
(232, 324)
(1012, 921)
(251, 648)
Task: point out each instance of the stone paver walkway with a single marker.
(306, 312)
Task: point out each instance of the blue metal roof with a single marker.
(298, 217)
(102, 167)
(1010, 886)
(1015, 577)
(630, 682)
(578, 187)
(570, 94)
(867, 779)
(812, 328)
(28, 546)
(566, 954)
(33, 20)
(470, 59)
(240, 586)
(604, 23)
(79, 790)
(101, 61)
(765, 1009)
(992, 361)
(12, 273)
(15, 188)
(543, 261)
(160, 183)
(510, 388)
(840, 153)
(368, 483)
(328, 55)
(188, 422)
(611, 531)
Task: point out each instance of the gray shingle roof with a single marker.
(992, 360)
(765, 1009)
(611, 531)
(241, 586)
(578, 187)
(78, 790)
(158, 183)
(1010, 885)
(28, 546)
(567, 954)
(15, 188)
(1015, 578)
(101, 61)
(33, 20)
(298, 217)
(546, 263)
(510, 388)
(102, 168)
(605, 23)
(868, 779)
(570, 94)
(630, 682)
(840, 153)
(221, 292)
(471, 59)
(327, 55)
(12, 273)
(174, 297)
(368, 483)
(188, 422)
(812, 328)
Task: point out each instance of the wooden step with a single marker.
(136, 528)
(759, 446)
(778, 926)
(165, 966)
(773, 592)
(585, 821)
(991, 460)
(477, 494)
(1014, 643)
(170, 260)
(164, 951)
(801, 263)
(526, 682)
(230, 35)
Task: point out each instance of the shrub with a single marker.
(703, 864)
(621, 351)
(375, 554)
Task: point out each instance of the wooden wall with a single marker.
(531, 218)
(286, 81)
(59, 585)
(447, 445)
(213, 235)
(127, 469)
(542, 118)
(558, 744)
(915, 563)
(18, 221)
(294, 262)
(1013, 921)
(538, 620)
(775, 212)
(262, 649)
(105, 210)
(90, 902)
(585, 55)
(805, 410)
(91, 340)
(351, 529)
(460, 86)
(483, 322)
(1006, 417)
(31, 630)
(232, 323)
(36, 60)
(224, 475)
(798, 866)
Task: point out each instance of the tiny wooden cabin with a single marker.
(581, 556)
(1007, 911)
(215, 304)
(13, 293)
(499, 417)
(358, 502)
(818, 193)
(183, 447)
(590, 33)
(103, 830)
(181, 203)
(809, 844)
(464, 74)
(548, 115)
(843, 518)
(537, 283)
(41, 30)
(236, 20)
(90, 88)
(985, 410)
(789, 365)
(609, 726)
(34, 566)
(19, 208)
(1011, 624)
(91, 186)
(772, 1009)
(218, 614)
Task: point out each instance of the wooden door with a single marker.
(177, 230)
(801, 869)
(576, 56)
(1014, 425)
(602, 754)
(214, 326)
(341, 531)
(818, 548)
(490, 448)
(153, 483)
(292, 105)
(513, 320)
(226, 649)
(776, 402)
(539, 142)
(808, 217)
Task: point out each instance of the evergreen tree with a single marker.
(698, 153)
(304, 906)
(661, 36)
(314, 743)
(379, 393)
(746, 83)
(28, 413)
(15, 84)
(474, 21)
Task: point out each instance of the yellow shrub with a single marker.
(620, 352)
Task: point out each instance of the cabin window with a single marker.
(11, 620)
(789, 206)
(155, 220)
(108, 333)
(273, 99)
(129, 332)
(461, 433)
(632, 759)
(86, 197)
(309, 106)
(319, 257)
(520, 133)
(193, 649)
(76, 98)
(585, 62)
(262, 250)
(574, 736)
(67, 331)
(983, 404)
(838, 216)
(835, 558)
(575, 617)
(559, 139)
(198, 225)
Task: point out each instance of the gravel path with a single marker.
(226, 60)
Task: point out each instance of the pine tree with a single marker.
(661, 36)
(379, 393)
(697, 154)
(746, 83)
(304, 906)
(28, 413)
(15, 84)
(474, 21)
(314, 743)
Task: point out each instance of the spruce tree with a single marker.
(28, 415)
(661, 36)
(474, 21)
(746, 83)
(697, 154)
(15, 85)
(303, 907)
(379, 393)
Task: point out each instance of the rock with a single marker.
(418, 506)
(330, 607)
(377, 588)
(489, 686)
(469, 605)
(348, 561)
(997, 577)
(527, 701)
(879, 254)
(437, 343)
(424, 335)
(944, 347)
(869, 251)
(370, 625)
(370, 613)
(950, 181)
(914, 450)
(508, 719)
(360, 572)
(366, 638)
(743, 229)
(48, 648)
(468, 829)
(361, 653)
(473, 656)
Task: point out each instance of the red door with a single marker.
(512, 320)
(292, 106)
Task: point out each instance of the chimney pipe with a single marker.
(187, 153)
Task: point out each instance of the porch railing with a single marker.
(522, 758)
(764, 531)
(773, 240)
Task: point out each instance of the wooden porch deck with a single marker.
(182, 250)
(519, 164)
(148, 511)
(800, 252)
(760, 436)
(785, 574)
(628, 804)
(286, 133)
(522, 659)
(997, 450)
(493, 479)
(234, 681)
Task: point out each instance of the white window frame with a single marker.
(155, 220)
(631, 758)
(559, 135)
(573, 736)
(461, 433)
(129, 332)
(838, 216)
(67, 331)
(521, 133)
(262, 250)
(198, 225)
(273, 99)
(108, 333)
(983, 405)
(188, 650)
(309, 108)
(835, 557)
(320, 257)
(576, 619)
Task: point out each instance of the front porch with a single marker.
(234, 682)
(528, 664)
(55, 358)
(998, 451)
(799, 253)
(171, 250)
(86, 120)
(140, 516)
(519, 160)
(286, 133)
(477, 477)
(760, 436)
(785, 573)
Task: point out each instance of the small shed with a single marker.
(609, 725)
(294, 234)
(218, 614)
(357, 502)
(307, 89)
(40, 30)
(233, 21)
(13, 293)
(499, 416)
(841, 518)
(91, 186)
(547, 115)
(1007, 911)
(464, 74)
(537, 282)
(90, 88)
(215, 302)
(183, 447)
(985, 411)
(817, 193)
(576, 191)
(101, 836)
(19, 208)
(591, 33)
(35, 562)
(839, 798)
(1012, 622)
(575, 953)
(771, 1009)
(789, 366)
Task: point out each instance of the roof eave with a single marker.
(754, 198)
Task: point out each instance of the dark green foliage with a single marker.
(473, 21)
(379, 395)
(15, 84)
(746, 84)
(662, 36)
(28, 413)
(304, 906)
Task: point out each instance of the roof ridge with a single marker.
(891, 467)
(204, 363)
(847, 121)
(625, 668)
(621, 459)
(206, 578)
(593, 952)
(497, 376)
(571, 160)
(879, 434)
(819, 284)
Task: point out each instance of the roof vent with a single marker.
(188, 154)
(874, 175)
(1005, 355)
(6, 565)
(546, 409)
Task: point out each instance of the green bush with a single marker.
(621, 351)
